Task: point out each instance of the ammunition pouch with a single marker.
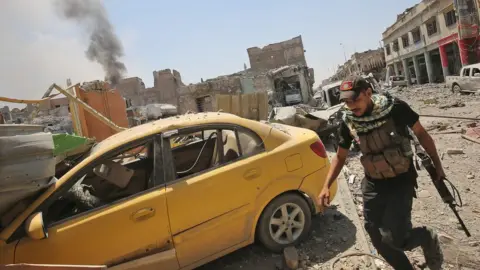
(388, 164)
(385, 153)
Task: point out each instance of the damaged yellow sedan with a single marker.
(175, 194)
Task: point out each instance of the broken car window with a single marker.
(194, 152)
(199, 151)
(108, 181)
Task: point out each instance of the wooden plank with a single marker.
(262, 100)
(236, 105)
(223, 102)
(469, 138)
(245, 106)
(253, 106)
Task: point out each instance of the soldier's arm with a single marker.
(429, 145)
(337, 163)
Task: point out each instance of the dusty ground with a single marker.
(339, 231)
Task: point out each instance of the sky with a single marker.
(200, 39)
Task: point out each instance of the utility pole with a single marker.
(344, 54)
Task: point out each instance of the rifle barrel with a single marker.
(462, 224)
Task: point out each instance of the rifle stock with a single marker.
(440, 185)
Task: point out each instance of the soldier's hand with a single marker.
(440, 174)
(324, 197)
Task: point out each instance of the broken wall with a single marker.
(193, 96)
(131, 89)
(165, 83)
(289, 52)
(252, 106)
(263, 83)
(5, 112)
(164, 90)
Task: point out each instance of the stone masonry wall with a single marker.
(289, 52)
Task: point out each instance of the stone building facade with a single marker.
(285, 53)
(433, 39)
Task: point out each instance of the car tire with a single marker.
(295, 225)
(456, 88)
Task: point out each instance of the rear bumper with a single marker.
(312, 186)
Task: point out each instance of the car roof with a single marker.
(160, 125)
(472, 65)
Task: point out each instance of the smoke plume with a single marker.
(105, 47)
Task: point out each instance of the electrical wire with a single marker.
(199, 154)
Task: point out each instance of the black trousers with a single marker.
(387, 212)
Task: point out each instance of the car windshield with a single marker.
(292, 92)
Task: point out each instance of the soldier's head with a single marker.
(356, 92)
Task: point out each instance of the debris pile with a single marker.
(54, 124)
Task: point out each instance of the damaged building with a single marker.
(362, 63)
(287, 85)
(279, 69)
(433, 39)
(54, 114)
(285, 53)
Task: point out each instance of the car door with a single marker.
(465, 81)
(211, 210)
(127, 229)
(475, 79)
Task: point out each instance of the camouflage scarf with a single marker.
(382, 106)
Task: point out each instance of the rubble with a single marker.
(290, 255)
(454, 151)
(55, 124)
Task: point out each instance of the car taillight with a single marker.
(319, 149)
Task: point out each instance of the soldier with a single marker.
(379, 124)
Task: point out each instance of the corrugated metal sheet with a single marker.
(26, 166)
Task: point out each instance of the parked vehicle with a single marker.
(394, 81)
(175, 193)
(330, 93)
(469, 79)
(293, 97)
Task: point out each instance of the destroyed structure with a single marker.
(289, 52)
(432, 40)
(363, 63)
(278, 69)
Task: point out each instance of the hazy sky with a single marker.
(201, 39)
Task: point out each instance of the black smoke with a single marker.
(105, 47)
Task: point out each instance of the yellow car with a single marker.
(140, 200)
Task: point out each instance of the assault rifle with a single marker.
(440, 185)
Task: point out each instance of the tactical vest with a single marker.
(385, 152)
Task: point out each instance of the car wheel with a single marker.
(284, 222)
(456, 88)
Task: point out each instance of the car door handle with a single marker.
(143, 214)
(252, 174)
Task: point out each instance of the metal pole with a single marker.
(344, 53)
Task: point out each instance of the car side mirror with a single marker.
(35, 227)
